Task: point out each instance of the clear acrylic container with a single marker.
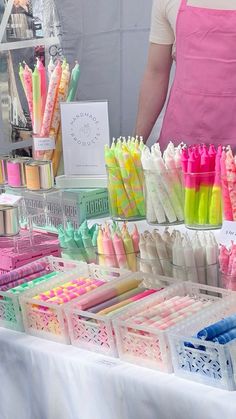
(124, 261)
(164, 197)
(202, 201)
(155, 266)
(87, 255)
(205, 275)
(125, 193)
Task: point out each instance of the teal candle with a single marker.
(75, 74)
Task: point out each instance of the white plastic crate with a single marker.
(10, 310)
(147, 345)
(95, 332)
(48, 320)
(206, 362)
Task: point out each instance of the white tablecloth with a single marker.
(40, 379)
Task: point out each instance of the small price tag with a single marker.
(107, 363)
(8, 199)
(42, 144)
(228, 233)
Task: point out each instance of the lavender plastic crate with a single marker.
(48, 320)
(25, 248)
(212, 363)
(147, 345)
(95, 332)
(10, 310)
(55, 207)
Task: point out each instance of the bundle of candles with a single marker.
(227, 262)
(19, 289)
(179, 256)
(68, 291)
(222, 332)
(163, 183)
(168, 313)
(117, 247)
(23, 275)
(202, 183)
(79, 244)
(125, 178)
(228, 173)
(114, 297)
(44, 103)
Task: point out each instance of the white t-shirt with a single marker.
(164, 14)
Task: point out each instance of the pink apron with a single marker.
(202, 102)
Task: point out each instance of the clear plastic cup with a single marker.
(164, 197)
(127, 261)
(155, 266)
(202, 201)
(204, 275)
(87, 255)
(125, 194)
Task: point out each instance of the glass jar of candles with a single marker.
(204, 275)
(202, 201)
(127, 261)
(125, 193)
(87, 255)
(155, 266)
(164, 197)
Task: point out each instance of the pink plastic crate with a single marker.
(25, 248)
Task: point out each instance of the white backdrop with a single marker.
(110, 40)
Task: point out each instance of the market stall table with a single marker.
(45, 380)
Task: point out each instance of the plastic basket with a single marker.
(48, 320)
(95, 332)
(147, 345)
(10, 311)
(206, 362)
(55, 207)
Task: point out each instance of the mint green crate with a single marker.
(91, 203)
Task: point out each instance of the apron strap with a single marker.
(183, 4)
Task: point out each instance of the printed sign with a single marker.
(85, 131)
(228, 233)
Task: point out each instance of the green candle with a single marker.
(37, 107)
(75, 74)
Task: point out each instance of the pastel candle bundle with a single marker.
(117, 247)
(196, 259)
(156, 252)
(228, 173)
(79, 244)
(68, 291)
(164, 198)
(125, 178)
(19, 287)
(111, 291)
(44, 101)
(176, 255)
(23, 273)
(201, 167)
(168, 313)
(227, 262)
(221, 332)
